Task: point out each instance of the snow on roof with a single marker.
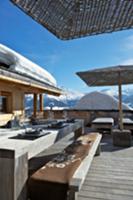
(99, 101)
(20, 64)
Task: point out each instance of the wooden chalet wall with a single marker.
(15, 103)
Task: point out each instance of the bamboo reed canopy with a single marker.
(69, 19)
(109, 76)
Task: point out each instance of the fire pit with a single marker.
(56, 125)
(31, 134)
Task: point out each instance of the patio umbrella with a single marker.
(69, 19)
(110, 76)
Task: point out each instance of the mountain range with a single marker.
(127, 95)
(70, 98)
(67, 100)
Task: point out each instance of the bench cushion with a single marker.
(103, 123)
(127, 121)
(103, 120)
(61, 169)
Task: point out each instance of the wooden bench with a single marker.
(81, 172)
(62, 177)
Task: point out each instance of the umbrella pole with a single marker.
(120, 104)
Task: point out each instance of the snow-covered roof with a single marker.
(99, 101)
(20, 64)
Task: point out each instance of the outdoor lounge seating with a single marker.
(128, 124)
(102, 124)
(63, 176)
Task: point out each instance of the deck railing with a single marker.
(87, 115)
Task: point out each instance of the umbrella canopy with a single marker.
(109, 76)
(69, 19)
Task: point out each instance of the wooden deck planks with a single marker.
(108, 184)
(102, 195)
(110, 176)
(112, 189)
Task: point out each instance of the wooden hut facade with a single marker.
(13, 88)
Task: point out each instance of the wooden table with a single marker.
(15, 153)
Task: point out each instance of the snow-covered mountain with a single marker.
(127, 94)
(67, 99)
(70, 98)
(99, 101)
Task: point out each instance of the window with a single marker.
(3, 104)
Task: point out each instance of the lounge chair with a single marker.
(103, 123)
(128, 124)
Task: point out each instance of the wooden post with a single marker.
(35, 105)
(41, 102)
(120, 104)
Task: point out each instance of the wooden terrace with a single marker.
(110, 175)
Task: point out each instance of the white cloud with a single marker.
(129, 42)
(69, 94)
(127, 62)
(111, 92)
(52, 59)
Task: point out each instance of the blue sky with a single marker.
(62, 58)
